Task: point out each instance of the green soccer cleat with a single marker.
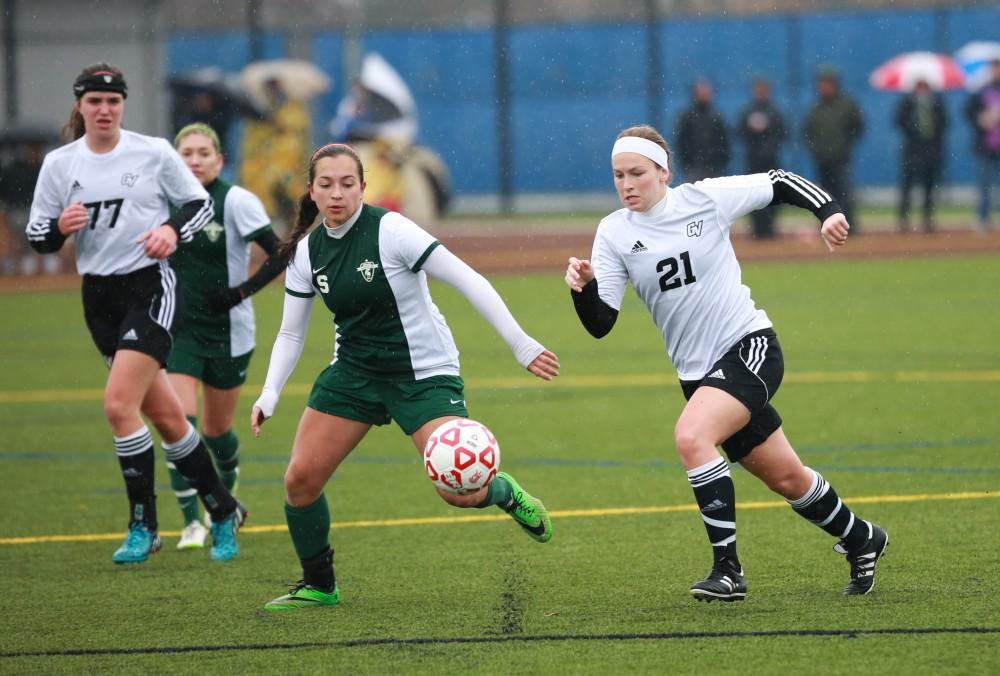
(139, 544)
(528, 511)
(304, 596)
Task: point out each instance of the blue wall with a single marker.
(573, 86)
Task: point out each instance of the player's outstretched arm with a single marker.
(529, 353)
(792, 189)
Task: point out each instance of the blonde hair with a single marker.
(198, 128)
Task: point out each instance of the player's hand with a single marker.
(545, 365)
(73, 218)
(223, 300)
(834, 231)
(578, 274)
(257, 418)
(159, 242)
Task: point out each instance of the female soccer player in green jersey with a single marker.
(394, 356)
(216, 338)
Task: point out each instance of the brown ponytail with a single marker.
(308, 211)
(306, 216)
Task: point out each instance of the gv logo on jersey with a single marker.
(694, 228)
(367, 270)
(213, 231)
(129, 180)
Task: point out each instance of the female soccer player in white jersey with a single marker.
(216, 339)
(110, 190)
(673, 245)
(394, 357)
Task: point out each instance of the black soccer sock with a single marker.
(190, 456)
(823, 507)
(136, 459)
(317, 571)
(716, 496)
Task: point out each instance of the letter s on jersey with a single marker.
(322, 283)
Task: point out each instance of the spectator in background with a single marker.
(983, 112)
(702, 139)
(17, 186)
(273, 151)
(922, 120)
(832, 128)
(762, 128)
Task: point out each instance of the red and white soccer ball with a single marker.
(461, 456)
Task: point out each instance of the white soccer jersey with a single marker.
(681, 263)
(127, 192)
(243, 214)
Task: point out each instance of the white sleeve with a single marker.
(737, 196)
(286, 351)
(298, 277)
(609, 269)
(245, 213)
(404, 243)
(452, 270)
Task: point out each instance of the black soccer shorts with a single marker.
(138, 311)
(751, 371)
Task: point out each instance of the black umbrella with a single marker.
(224, 91)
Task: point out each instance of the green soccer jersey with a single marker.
(368, 273)
(217, 258)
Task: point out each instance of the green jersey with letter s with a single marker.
(368, 274)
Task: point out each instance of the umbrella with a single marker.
(975, 59)
(379, 106)
(901, 74)
(298, 79)
(224, 88)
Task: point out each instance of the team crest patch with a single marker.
(367, 270)
(213, 231)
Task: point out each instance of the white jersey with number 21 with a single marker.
(681, 262)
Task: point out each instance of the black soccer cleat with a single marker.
(864, 561)
(724, 583)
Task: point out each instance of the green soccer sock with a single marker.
(309, 527)
(187, 497)
(226, 450)
(499, 493)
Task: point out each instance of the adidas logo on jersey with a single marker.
(76, 186)
(130, 335)
(638, 247)
(717, 373)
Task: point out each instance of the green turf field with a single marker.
(891, 390)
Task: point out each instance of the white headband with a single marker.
(644, 147)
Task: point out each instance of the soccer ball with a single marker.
(461, 456)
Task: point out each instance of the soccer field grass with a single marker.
(891, 388)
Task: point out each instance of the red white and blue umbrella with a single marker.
(902, 73)
(975, 59)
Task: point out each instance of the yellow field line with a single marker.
(477, 518)
(619, 380)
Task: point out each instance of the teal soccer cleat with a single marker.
(139, 544)
(224, 545)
